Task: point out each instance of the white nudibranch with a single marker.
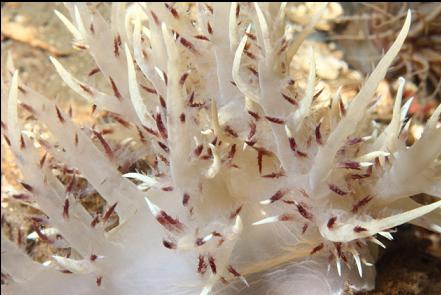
(248, 190)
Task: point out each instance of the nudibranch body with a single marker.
(256, 185)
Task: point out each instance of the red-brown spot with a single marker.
(377, 162)
(187, 44)
(163, 146)
(169, 222)
(65, 271)
(338, 247)
(354, 141)
(164, 160)
(183, 78)
(359, 176)
(278, 174)
(317, 248)
(317, 94)
(236, 212)
(343, 256)
(42, 236)
(231, 152)
(95, 221)
(212, 264)
(26, 107)
(251, 142)
(260, 153)
(286, 217)
(99, 280)
(233, 271)
(70, 111)
(161, 127)
(290, 100)
(303, 211)
(249, 54)
(168, 244)
(199, 242)
(230, 131)
(28, 187)
(185, 199)
(115, 89)
(331, 222)
(209, 28)
(70, 185)
(19, 237)
(278, 195)
(93, 72)
(318, 135)
(210, 9)
(216, 234)
(151, 131)
(155, 17)
(109, 212)
(214, 141)
(253, 128)
(21, 89)
(141, 135)
(80, 46)
(149, 90)
(167, 188)
(292, 144)
(251, 36)
(23, 197)
(162, 102)
(359, 229)
(283, 47)
(202, 37)
(254, 115)
(60, 117)
(22, 142)
(106, 146)
(342, 107)
(253, 71)
(116, 45)
(361, 203)
(120, 120)
(275, 120)
(349, 165)
(198, 150)
(172, 10)
(86, 88)
(8, 142)
(304, 228)
(301, 154)
(337, 190)
(202, 265)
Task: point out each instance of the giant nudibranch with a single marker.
(257, 185)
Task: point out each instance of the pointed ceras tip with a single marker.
(270, 219)
(238, 225)
(153, 208)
